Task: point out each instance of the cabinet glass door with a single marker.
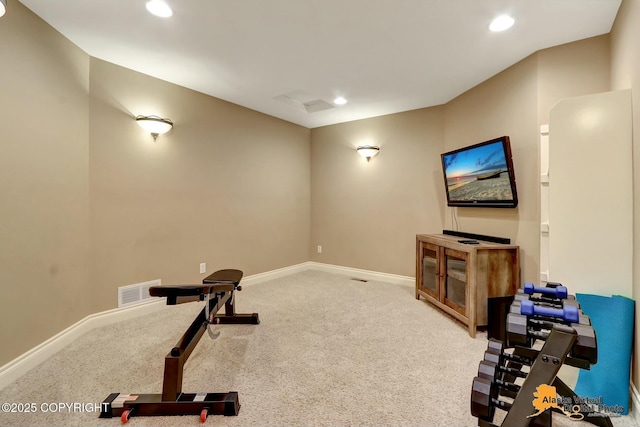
(429, 270)
(455, 285)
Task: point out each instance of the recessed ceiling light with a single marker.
(501, 23)
(339, 101)
(3, 7)
(159, 8)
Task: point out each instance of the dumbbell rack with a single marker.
(558, 349)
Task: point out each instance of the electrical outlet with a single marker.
(319, 249)
(203, 267)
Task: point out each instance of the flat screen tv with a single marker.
(481, 175)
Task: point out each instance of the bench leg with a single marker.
(230, 316)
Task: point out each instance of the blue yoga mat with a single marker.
(613, 319)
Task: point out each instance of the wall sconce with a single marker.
(154, 124)
(368, 151)
(3, 7)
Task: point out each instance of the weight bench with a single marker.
(218, 291)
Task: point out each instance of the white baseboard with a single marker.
(364, 274)
(635, 404)
(274, 274)
(32, 358)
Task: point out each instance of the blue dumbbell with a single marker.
(568, 313)
(559, 292)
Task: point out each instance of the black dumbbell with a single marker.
(522, 330)
(586, 345)
(502, 376)
(483, 402)
(495, 353)
(519, 332)
(493, 373)
(510, 365)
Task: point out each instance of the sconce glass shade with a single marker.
(3, 7)
(368, 151)
(154, 124)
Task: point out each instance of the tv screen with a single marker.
(481, 175)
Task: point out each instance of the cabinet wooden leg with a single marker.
(472, 329)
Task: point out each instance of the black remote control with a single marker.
(469, 242)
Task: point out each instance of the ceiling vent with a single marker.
(316, 105)
(304, 101)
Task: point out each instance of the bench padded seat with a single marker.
(180, 290)
(220, 281)
(229, 276)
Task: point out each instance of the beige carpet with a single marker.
(330, 351)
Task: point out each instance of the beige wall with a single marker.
(90, 202)
(366, 214)
(503, 105)
(625, 73)
(573, 69)
(44, 170)
(227, 186)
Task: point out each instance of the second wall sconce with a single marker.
(154, 124)
(368, 151)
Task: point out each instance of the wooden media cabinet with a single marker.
(458, 278)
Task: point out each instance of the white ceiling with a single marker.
(384, 56)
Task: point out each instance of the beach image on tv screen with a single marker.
(478, 174)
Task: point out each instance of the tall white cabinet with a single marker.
(586, 194)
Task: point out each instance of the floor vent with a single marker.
(135, 294)
(359, 280)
